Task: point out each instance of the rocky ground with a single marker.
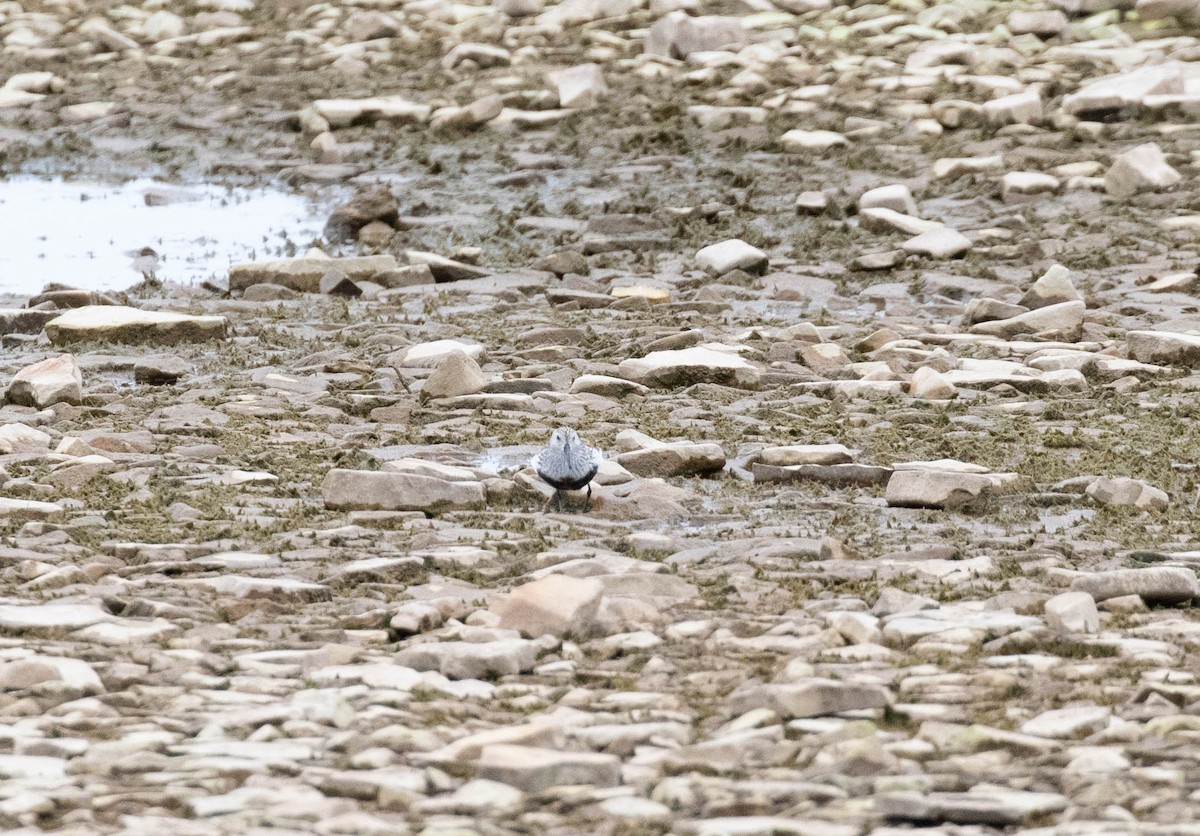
(883, 316)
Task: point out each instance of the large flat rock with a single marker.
(304, 274)
(119, 324)
(684, 367)
(367, 490)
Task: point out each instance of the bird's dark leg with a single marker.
(587, 505)
(558, 499)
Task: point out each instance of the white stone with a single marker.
(19, 438)
(856, 627)
(115, 323)
(797, 454)
(678, 35)
(934, 489)
(1113, 92)
(927, 382)
(1067, 723)
(950, 167)
(1052, 288)
(1063, 320)
(734, 254)
(580, 87)
(1122, 490)
(341, 112)
(1140, 169)
(938, 243)
(162, 25)
(884, 219)
(53, 380)
(50, 616)
(1019, 108)
(896, 197)
(432, 353)
(798, 141)
(686, 366)
(532, 769)
(556, 604)
(456, 374)
(1017, 186)
(27, 509)
(1072, 612)
(471, 660)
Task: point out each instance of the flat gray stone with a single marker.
(366, 490)
(533, 769)
(934, 488)
(67, 616)
(812, 697)
(304, 274)
(1168, 585)
(684, 367)
(470, 660)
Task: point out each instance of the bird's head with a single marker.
(564, 437)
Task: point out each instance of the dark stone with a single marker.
(377, 204)
(562, 262)
(336, 283)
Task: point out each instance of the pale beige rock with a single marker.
(799, 141)
(1023, 108)
(424, 355)
(1163, 347)
(1112, 92)
(1125, 491)
(683, 367)
(1023, 186)
(681, 458)
(532, 769)
(304, 274)
(934, 488)
(1168, 585)
(734, 254)
(1140, 169)
(53, 380)
(580, 87)
(118, 324)
(810, 697)
(1046, 23)
(556, 604)
(362, 490)
(896, 197)
(929, 383)
(1063, 321)
(456, 374)
(678, 35)
(797, 454)
(18, 438)
(943, 242)
(1073, 721)
(609, 387)
(1072, 612)
(1052, 288)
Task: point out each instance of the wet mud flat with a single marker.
(882, 316)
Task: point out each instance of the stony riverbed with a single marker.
(883, 315)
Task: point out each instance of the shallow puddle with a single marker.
(84, 234)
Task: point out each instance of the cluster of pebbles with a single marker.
(881, 315)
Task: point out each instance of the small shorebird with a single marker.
(145, 261)
(567, 464)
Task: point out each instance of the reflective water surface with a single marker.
(84, 234)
